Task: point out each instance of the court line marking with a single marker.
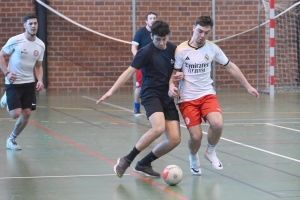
(291, 129)
(163, 188)
(228, 140)
(68, 176)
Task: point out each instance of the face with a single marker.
(31, 26)
(201, 33)
(160, 42)
(150, 19)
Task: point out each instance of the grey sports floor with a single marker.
(71, 144)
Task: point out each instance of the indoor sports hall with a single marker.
(70, 144)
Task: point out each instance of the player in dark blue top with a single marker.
(157, 62)
(141, 38)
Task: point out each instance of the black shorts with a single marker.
(155, 104)
(21, 96)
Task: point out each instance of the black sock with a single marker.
(134, 152)
(148, 159)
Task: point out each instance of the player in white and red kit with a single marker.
(196, 95)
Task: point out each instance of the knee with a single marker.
(158, 130)
(196, 137)
(175, 141)
(217, 126)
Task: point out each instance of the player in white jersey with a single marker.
(196, 95)
(25, 54)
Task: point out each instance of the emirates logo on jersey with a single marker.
(36, 53)
(206, 57)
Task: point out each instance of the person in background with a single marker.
(141, 38)
(25, 54)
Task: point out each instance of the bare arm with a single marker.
(3, 65)
(173, 82)
(38, 71)
(134, 49)
(121, 81)
(236, 72)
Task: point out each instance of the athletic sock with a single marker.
(211, 148)
(12, 136)
(148, 159)
(134, 152)
(137, 105)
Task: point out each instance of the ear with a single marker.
(151, 36)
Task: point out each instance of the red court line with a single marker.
(105, 159)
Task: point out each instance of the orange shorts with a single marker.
(194, 111)
(138, 78)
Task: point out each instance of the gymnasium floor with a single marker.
(71, 144)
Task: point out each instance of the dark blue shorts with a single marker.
(155, 104)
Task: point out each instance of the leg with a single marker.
(172, 140)
(194, 145)
(19, 126)
(157, 122)
(137, 92)
(213, 137)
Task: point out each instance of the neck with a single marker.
(29, 36)
(148, 28)
(195, 44)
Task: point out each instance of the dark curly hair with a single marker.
(204, 21)
(160, 28)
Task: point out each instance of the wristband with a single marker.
(6, 73)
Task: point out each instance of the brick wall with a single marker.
(81, 60)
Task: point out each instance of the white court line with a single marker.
(283, 127)
(109, 104)
(69, 176)
(228, 140)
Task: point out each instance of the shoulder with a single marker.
(212, 44)
(182, 46)
(39, 42)
(17, 39)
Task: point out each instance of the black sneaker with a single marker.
(137, 112)
(121, 166)
(146, 170)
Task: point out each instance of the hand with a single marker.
(173, 91)
(39, 86)
(178, 76)
(11, 77)
(105, 96)
(254, 93)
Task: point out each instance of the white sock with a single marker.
(211, 148)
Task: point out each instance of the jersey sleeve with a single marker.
(137, 38)
(9, 47)
(178, 58)
(221, 57)
(140, 59)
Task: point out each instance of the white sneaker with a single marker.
(195, 164)
(216, 163)
(12, 144)
(3, 101)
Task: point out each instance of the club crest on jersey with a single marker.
(172, 61)
(206, 57)
(36, 53)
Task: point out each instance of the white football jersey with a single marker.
(195, 63)
(23, 56)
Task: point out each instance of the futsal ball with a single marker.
(172, 175)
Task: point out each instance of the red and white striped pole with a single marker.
(272, 48)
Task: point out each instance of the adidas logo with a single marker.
(187, 58)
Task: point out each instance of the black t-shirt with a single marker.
(143, 37)
(157, 66)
